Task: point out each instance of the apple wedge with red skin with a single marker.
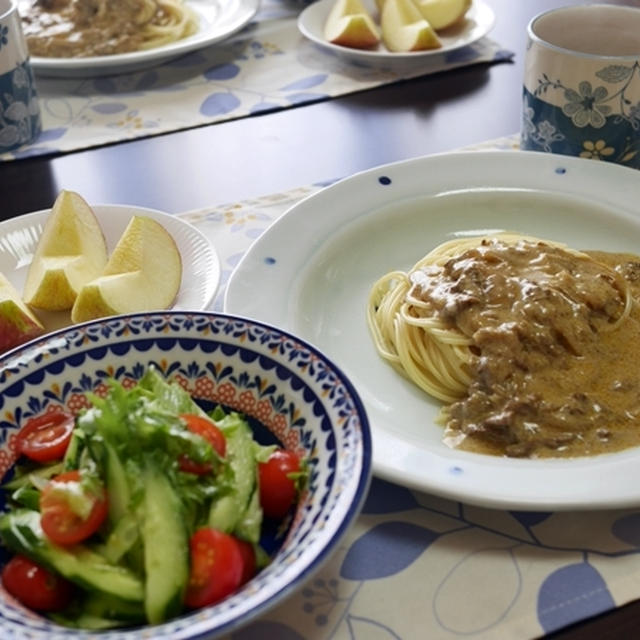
(18, 323)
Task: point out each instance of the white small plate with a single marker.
(219, 19)
(200, 263)
(478, 21)
(312, 270)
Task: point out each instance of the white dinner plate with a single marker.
(312, 270)
(200, 263)
(476, 24)
(218, 19)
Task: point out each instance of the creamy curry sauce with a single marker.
(555, 370)
(80, 28)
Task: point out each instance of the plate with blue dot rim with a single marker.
(351, 233)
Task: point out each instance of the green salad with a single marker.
(141, 508)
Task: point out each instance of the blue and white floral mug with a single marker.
(581, 92)
(19, 110)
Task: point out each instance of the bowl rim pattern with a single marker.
(292, 361)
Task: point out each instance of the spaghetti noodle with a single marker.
(81, 28)
(485, 325)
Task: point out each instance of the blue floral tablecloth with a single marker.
(418, 566)
(267, 66)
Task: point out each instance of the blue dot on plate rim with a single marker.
(269, 260)
(384, 180)
(456, 471)
(561, 171)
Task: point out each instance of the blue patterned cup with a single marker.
(582, 83)
(19, 111)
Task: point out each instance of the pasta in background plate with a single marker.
(83, 28)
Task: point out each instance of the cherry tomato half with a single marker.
(46, 437)
(248, 560)
(35, 586)
(61, 524)
(216, 567)
(211, 433)
(277, 488)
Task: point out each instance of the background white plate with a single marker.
(219, 19)
(478, 21)
(200, 263)
(311, 272)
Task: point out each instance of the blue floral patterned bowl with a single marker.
(285, 384)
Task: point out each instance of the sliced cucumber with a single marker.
(74, 450)
(88, 621)
(112, 608)
(35, 477)
(249, 526)
(124, 535)
(27, 497)
(230, 510)
(21, 532)
(166, 547)
(117, 484)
